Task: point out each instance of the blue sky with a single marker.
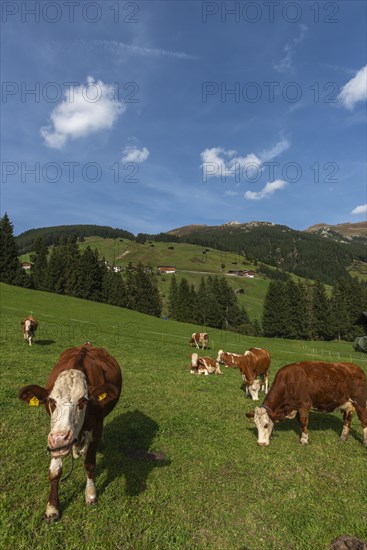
(183, 113)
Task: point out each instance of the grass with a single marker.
(212, 487)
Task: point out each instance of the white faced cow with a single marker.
(254, 365)
(82, 388)
(318, 385)
(204, 365)
(29, 327)
(199, 339)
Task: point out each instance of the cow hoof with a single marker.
(52, 514)
(343, 438)
(303, 441)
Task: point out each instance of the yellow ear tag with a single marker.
(34, 401)
(102, 396)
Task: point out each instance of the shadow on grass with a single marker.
(317, 422)
(44, 342)
(126, 451)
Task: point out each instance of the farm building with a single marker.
(27, 265)
(241, 273)
(166, 269)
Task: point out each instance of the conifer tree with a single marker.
(321, 312)
(114, 289)
(10, 268)
(172, 297)
(184, 302)
(277, 311)
(40, 266)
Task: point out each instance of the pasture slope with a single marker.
(179, 467)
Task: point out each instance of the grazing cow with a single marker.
(82, 388)
(199, 338)
(253, 364)
(29, 327)
(204, 365)
(318, 385)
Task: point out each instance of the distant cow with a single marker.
(82, 388)
(253, 364)
(199, 339)
(313, 384)
(29, 327)
(204, 365)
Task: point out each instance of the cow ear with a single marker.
(33, 395)
(103, 394)
(250, 414)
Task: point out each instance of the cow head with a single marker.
(264, 425)
(67, 404)
(254, 389)
(220, 356)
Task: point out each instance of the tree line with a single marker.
(304, 310)
(82, 274)
(213, 304)
(52, 235)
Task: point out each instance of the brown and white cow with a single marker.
(82, 388)
(318, 385)
(199, 339)
(29, 327)
(254, 365)
(204, 365)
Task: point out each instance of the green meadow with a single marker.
(179, 467)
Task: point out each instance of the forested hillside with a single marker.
(51, 235)
(307, 255)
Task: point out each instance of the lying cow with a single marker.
(253, 364)
(199, 339)
(313, 384)
(29, 327)
(204, 365)
(82, 388)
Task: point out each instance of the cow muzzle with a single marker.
(263, 444)
(60, 443)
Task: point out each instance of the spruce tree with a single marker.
(39, 271)
(114, 289)
(10, 268)
(184, 302)
(172, 297)
(321, 312)
(277, 311)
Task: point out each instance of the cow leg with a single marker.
(266, 382)
(347, 420)
(303, 420)
(90, 465)
(53, 506)
(362, 415)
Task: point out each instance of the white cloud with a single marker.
(86, 109)
(285, 64)
(362, 209)
(119, 48)
(278, 148)
(267, 190)
(132, 154)
(220, 162)
(354, 90)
